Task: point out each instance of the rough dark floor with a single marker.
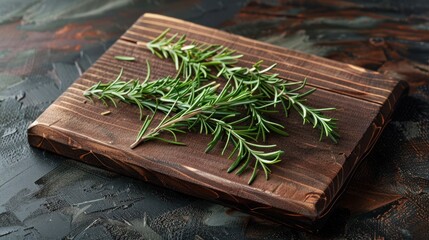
(46, 44)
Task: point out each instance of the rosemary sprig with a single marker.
(236, 115)
(191, 59)
(276, 88)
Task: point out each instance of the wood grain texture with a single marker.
(302, 188)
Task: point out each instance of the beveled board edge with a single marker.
(368, 141)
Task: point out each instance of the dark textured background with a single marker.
(46, 44)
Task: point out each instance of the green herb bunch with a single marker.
(236, 115)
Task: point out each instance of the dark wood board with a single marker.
(302, 188)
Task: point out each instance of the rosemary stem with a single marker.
(162, 126)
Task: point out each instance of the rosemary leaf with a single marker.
(125, 58)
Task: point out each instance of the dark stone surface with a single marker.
(46, 44)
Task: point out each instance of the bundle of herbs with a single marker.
(214, 96)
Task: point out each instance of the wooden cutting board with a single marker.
(302, 188)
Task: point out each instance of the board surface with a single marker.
(302, 188)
